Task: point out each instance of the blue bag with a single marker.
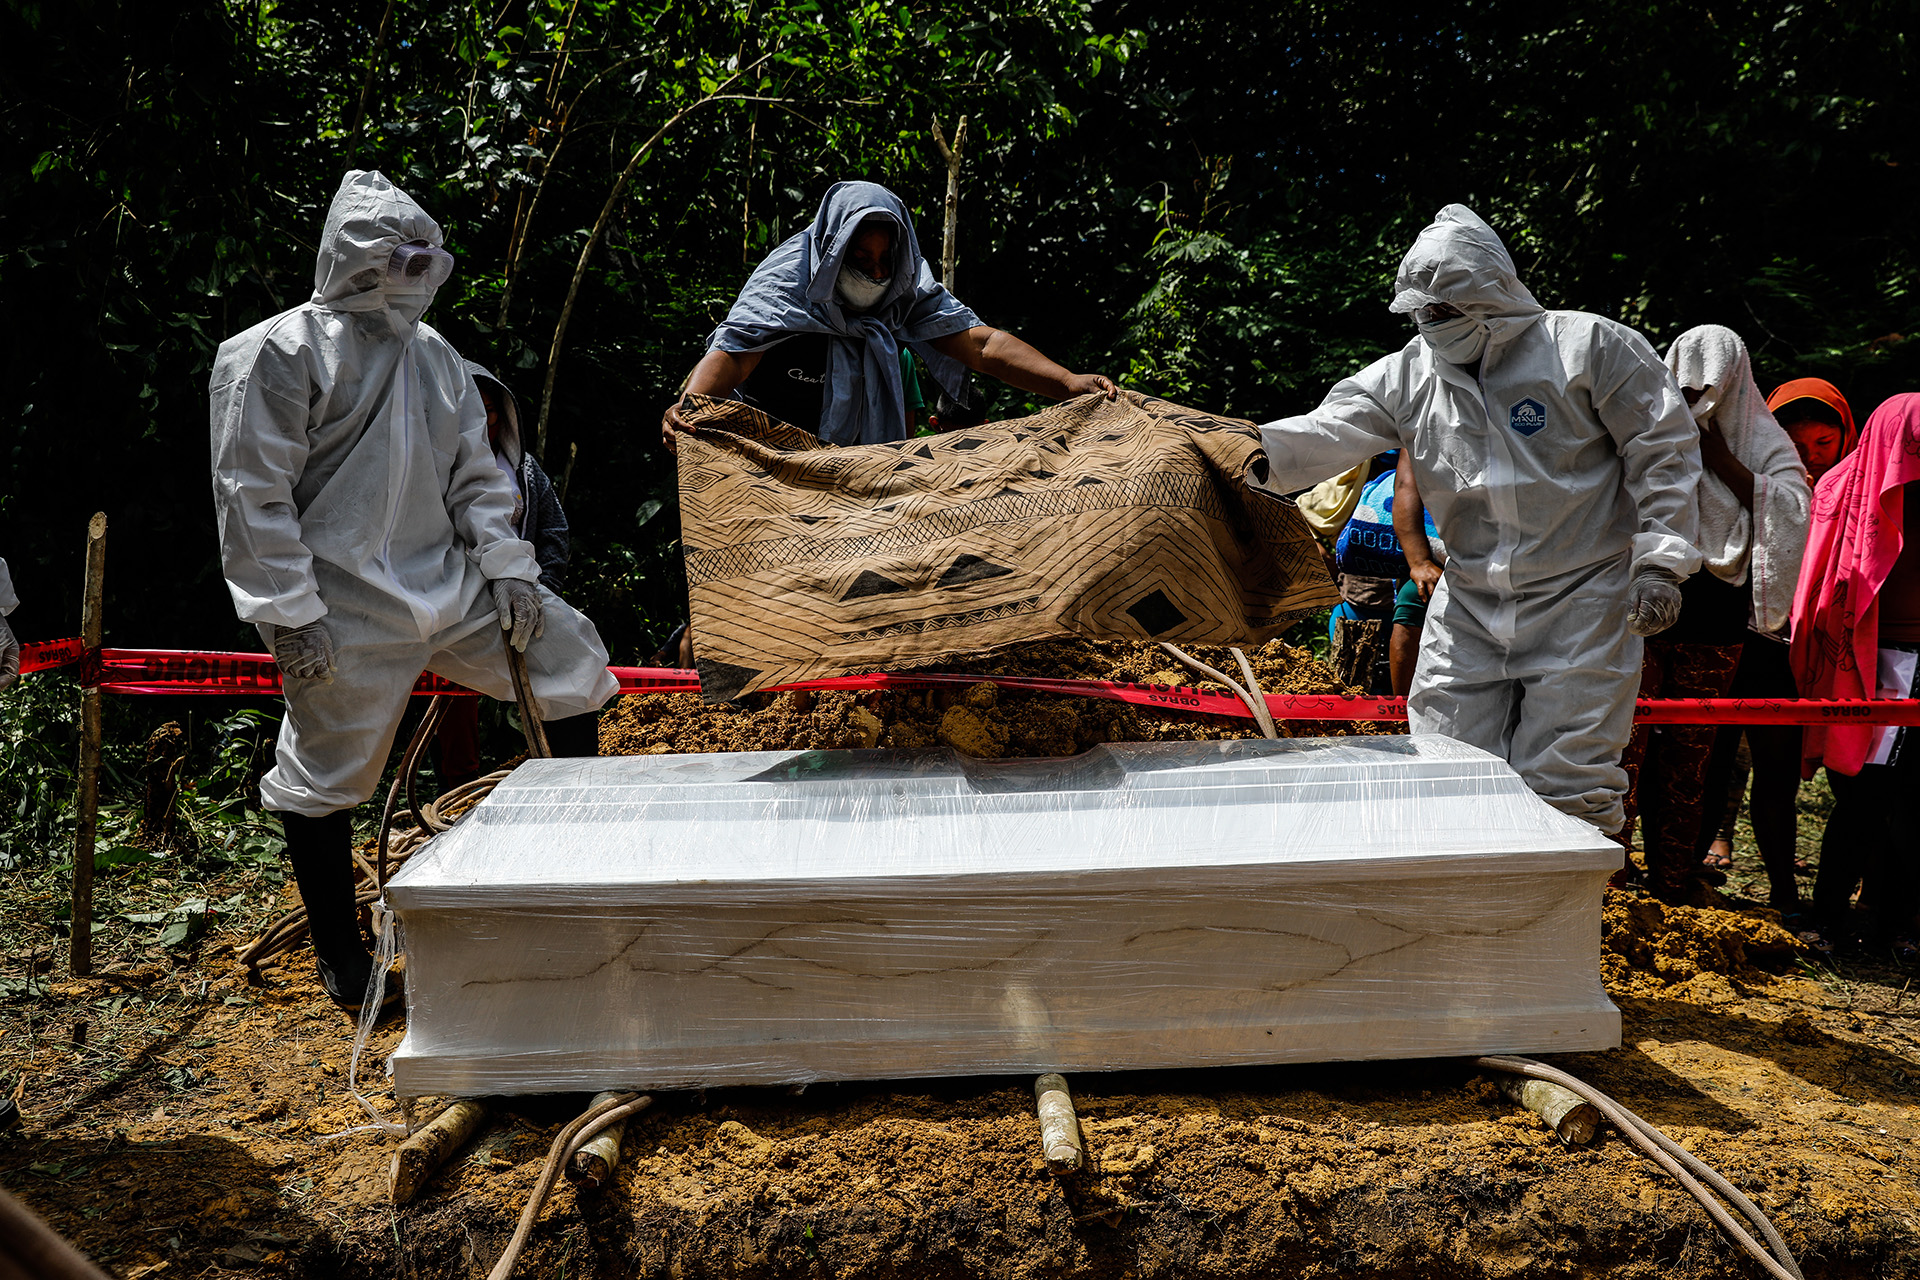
(1367, 547)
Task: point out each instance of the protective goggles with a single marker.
(1434, 313)
(419, 266)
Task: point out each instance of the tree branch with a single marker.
(366, 85)
(599, 232)
(950, 243)
(517, 241)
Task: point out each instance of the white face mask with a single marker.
(1703, 408)
(1457, 339)
(858, 291)
(410, 302)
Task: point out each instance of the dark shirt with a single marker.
(544, 524)
(1900, 593)
(1712, 612)
(787, 383)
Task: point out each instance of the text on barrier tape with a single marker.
(176, 672)
(43, 655)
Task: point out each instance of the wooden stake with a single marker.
(1059, 1127)
(87, 803)
(425, 1151)
(593, 1164)
(950, 244)
(1574, 1120)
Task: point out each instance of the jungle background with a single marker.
(1207, 205)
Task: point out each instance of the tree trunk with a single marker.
(1359, 646)
(366, 85)
(950, 242)
(599, 233)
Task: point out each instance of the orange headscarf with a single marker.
(1826, 393)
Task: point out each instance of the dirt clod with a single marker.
(1652, 948)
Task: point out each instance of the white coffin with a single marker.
(661, 922)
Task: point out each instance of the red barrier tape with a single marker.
(176, 672)
(43, 655)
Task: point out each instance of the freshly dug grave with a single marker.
(181, 1132)
(978, 720)
(197, 1151)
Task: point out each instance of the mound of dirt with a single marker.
(1699, 953)
(174, 1115)
(979, 720)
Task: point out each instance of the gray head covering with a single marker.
(509, 408)
(1460, 260)
(368, 220)
(792, 292)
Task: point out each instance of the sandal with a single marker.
(1717, 859)
(1802, 926)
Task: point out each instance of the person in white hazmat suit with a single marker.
(366, 531)
(9, 646)
(1560, 464)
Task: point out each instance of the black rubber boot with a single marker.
(574, 736)
(321, 850)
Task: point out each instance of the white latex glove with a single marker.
(520, 610)
(9, 656)
(305, 653)
(1653, 601)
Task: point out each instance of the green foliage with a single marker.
(39, 732)
(1206, 201)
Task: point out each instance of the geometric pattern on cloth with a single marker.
(1126, 519)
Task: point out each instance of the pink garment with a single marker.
(1859, 520)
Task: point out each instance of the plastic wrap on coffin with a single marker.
(671, 921)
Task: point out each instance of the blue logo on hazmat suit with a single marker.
(1527, 416)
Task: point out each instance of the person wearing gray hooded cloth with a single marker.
(1560, 464)
(366, 531)
(814, 338)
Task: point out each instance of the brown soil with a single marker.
(174, 1113)
(979, 720)
(199, 1149)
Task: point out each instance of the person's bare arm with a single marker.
(717, 374)
(999, 354)
(1410, 527)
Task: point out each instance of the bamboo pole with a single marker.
(1059, 1128)
(425, 1151)
(1573, 1119)
(87, 802)
(593, 1164)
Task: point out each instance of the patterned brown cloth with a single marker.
(1123, 519)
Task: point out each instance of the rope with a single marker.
(1675, 1159)
(409, 762)
(1249, 693)
(565, 1144)
(430, 817)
